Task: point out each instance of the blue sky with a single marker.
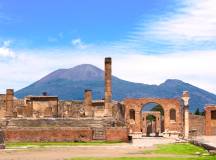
(40, 23)
(150, 41)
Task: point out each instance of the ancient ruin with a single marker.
(48, 118)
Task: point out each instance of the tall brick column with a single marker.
(108, 87)
(9, 102)
(88, 102)
(185, 98)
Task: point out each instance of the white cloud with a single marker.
(195, 21)
(196, 68)
(78, 43)
(5, 51)
(7, 43)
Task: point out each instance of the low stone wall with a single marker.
(48, 134)
(62, 134)
(59, 122)
(117, 134)
(196, 125)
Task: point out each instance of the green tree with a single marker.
(197, 112)
(158, 108)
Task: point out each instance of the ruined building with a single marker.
(47, 118)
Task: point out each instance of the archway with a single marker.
(171, 120)
(151, 125)
(152, 119)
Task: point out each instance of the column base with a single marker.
(2, 146)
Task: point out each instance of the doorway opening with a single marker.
(152, 119)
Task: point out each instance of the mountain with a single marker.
(71, 83)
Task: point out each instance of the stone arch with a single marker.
(165, 103)
(151, 126)
(151, 123)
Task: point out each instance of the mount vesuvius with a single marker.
(71, 83)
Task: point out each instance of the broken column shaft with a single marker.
(108, 86)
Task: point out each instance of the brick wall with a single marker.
(196, 125)
(167, 105)
(117, 134)
(48, 134)
(62, 134)
(210, 122)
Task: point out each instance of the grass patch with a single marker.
(150, 158)
(47, 144)
(178, 148)
(174, 150)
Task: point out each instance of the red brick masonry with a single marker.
(210, 126)
(61, 134)
(117, 134)
(48, 134)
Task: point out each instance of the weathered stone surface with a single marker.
(48, 134)
(108, 87)
(167, 105)
(210, 120)
(117, 134)
(196, 125)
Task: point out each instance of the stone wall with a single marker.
(210, 120)
(58, 122)
(118, 113)
(61, 129)
(167, 105)
(117, 134)
(61, 134)
(196, 125)
(73, 109)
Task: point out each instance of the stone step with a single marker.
(97, 123)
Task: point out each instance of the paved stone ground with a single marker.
(150, 141)
(59, 153)
(210, 140)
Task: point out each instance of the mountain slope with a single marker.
(71, 83)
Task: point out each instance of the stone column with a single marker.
(158, 123)
(9, 102)
(185, 98)
(108, 87)
(88, 102)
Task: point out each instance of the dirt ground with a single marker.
(61, 153)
